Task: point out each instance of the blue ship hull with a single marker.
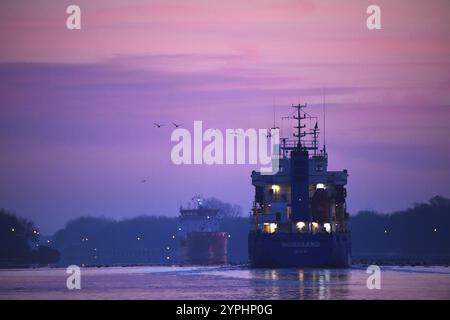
(290, 250)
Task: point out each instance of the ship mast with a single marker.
(324, 125)
(315, 135)
(299, 135)
(299, 143)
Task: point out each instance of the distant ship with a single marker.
(200, 240)
(299, 215)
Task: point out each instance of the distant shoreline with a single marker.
(356, 263)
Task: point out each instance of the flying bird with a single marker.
(158, 125)
(144, 181)
(177, 125)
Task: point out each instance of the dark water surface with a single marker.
(225, 283)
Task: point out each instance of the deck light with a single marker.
(300, 225)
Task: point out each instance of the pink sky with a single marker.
(77, 107)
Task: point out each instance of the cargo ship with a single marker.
(200, 240)
(299, 216)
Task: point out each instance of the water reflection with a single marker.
(300, 283)
(238, 283)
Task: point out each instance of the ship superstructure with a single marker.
(200, 240)
(299, 215)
